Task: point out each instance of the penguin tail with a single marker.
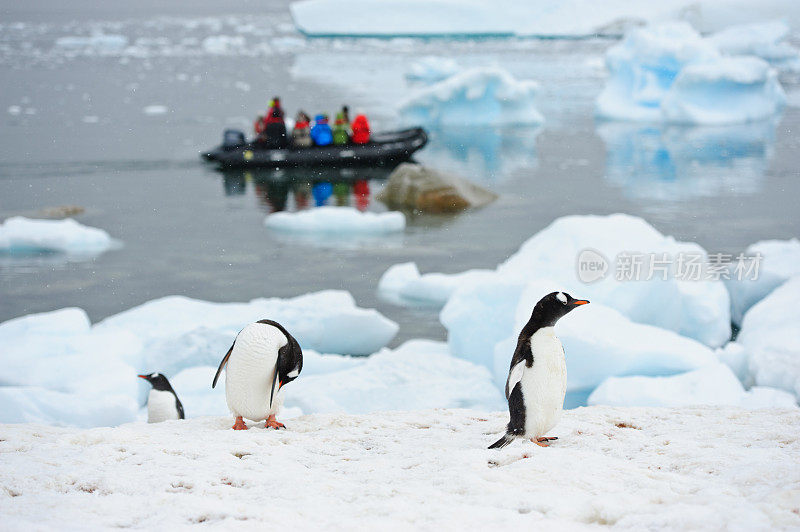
(502, 442)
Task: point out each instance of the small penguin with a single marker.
(262, 354)
(162, 403)
(537, 378)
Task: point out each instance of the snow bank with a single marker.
(337, 220)
(632, 468)
(477, 96)
(431, 69)
(714, 384)
(571, 18)
(767, 40)
(19, 235)
(780, 260)
(599, 342)
(770, 334)
(670, 73)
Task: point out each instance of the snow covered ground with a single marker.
(626, 468)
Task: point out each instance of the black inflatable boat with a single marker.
(383, 148)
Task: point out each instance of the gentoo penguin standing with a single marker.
(537, 379)
(263, 358)
(162, 403)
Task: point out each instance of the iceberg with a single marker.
(767, 40)
(431, 69)
(20, 235)
(669, 73)
(474, 97)
(337, 220)
(714, 384)
(403, 284)
(769, 334)
(780, 260)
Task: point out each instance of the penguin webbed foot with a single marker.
(271, 422)
(544, 441)
(239, 424)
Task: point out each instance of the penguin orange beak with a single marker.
(142, 377)
(580, 302)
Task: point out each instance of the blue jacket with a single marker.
(321, 133)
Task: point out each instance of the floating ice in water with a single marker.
(770, 333)
(155, 110)
(673, 162)
(767, 40)
(223, 44)
(727, 90)
(403, 283)
(337, 220)
(780, 260)
(478, 96)
(25, 235)
(670, 73)
(14, 110)
(476, 17)
(418, 374)
(431, 69)
(714, 384)
(100, 42)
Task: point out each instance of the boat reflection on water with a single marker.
(293, 189)
(679, 162)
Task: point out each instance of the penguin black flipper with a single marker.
(516, 423)
(179, 407)
(222, 364)
(524, 354)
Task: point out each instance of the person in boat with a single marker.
(275, 128)
(341, 131)
(360, 129)
(258, 126)
(346, 113)
(321, 133)
(301, 134)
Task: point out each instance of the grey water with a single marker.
(75, 130)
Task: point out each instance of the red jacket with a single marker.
(360, 129)
(258, 125)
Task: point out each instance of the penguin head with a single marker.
(555, 306)
(157, 381)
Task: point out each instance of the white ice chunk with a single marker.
(670, 73)
(418, 374)
(155, 109)
(223, 44)
(780, 260)
(25, 235)
(33, 404)
(478, 96)
(431, 69)
(403, 284)
(771, 336)
(101, 42)
(767, 40)
(599, 342)
(337, 220)
(714, 384)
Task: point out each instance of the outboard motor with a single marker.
(232, 138)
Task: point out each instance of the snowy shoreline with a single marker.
(689, 468)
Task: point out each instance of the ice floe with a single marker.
(477, 96)
(714, 384)
(154, 110)
(20, 235)
(770, 335)
(431, 69)
(767, 40)
(337, 220)
(670, 73)
(778, 260)
(101, 42)
(403, 283)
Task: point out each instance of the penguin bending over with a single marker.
(537, 378)
(162, 402)
(262, 354)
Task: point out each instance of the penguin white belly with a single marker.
(250, 371)
(161, 406)
(544, 384)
